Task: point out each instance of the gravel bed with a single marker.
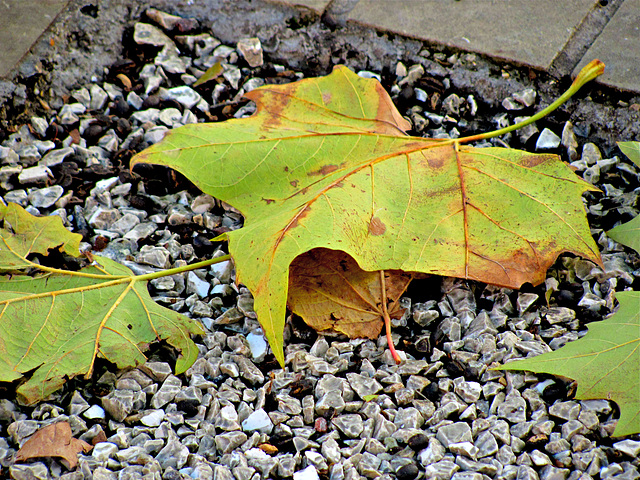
(235, 414)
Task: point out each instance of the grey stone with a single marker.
(362, 385)
(174, 454)
(467, 449)
(408, 418)
(628, 447)
(227, 419)
(45, 197)
(350, 425)
(547, 140)
(102, 218)
(500, 430)
(308, 473)
(118, 404)
(155, 134)
(248, 370)
(170, 60)
(258, 421)
(486, 443)
(468, 391)
(167, 392)
(467, 476)
(146, 34)
(141, 231)
(569, 410)
(514, 408)
(33, 471)
(152, 418)
(261, 461)
(442, 470)
(526, 97)
(550, 472)
(232, 74)
(55, 157)
(369, 465)
(525, 472)
(37, 174)
(158, 371)
(154, 256)
(104, 450)
(124, 224)
(330, 400)
(186, 96)
(93, 412)
(251, 50)
(149, 115)
(454, 433)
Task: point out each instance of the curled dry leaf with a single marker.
(54, 440)
(330, 291)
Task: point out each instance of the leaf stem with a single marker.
(186, 268)
(588, 73)
(387, 319)
(72, 273)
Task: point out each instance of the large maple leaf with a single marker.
(326, 162)
(605, 362)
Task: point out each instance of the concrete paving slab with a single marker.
(318, 6)
(525, 31)
(21, 24)
(618, 46)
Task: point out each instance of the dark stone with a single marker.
(418, 442)
(408, 472)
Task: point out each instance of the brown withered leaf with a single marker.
(330, 291)
(54, 440)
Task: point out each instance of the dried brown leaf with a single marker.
(54, 440)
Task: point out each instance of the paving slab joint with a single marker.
(337, 12)
(583, 37)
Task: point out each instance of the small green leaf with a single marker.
(22, 234)
(605, 362)
(631, 150)
(627, 234)
(370, 398)
(212, 73)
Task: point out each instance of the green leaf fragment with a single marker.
(605, 362)
(631, 150)
(627, 234)
(212, 73)
(22, 234)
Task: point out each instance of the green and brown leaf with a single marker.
(326, 163)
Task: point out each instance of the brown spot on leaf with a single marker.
(376, 226)
(294, 183)
(325, 170)
(269, 200)
(326, 97)
(531, 161)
